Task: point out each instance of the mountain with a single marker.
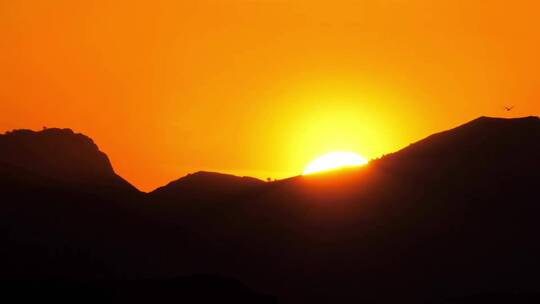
(204, 186)
(453, 215)
(71, 228)
(57, 158)
(451, 218)
(63, 207)
(483, 141)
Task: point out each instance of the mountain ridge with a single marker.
(104, 166)
(59, 155)
(448, 217)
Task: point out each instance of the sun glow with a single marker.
(335, 160)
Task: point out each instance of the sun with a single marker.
(335, 160)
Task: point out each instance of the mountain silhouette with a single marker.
(57, 158)
(205, 186)
(452, 218)
(482, 141)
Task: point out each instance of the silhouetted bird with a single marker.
(508, 108)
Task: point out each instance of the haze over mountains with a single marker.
(453, 217)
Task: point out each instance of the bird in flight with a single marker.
(508, 108)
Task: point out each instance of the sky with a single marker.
(261, 87)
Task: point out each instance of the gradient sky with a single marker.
(261, 87)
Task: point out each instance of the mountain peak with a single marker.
(505, 139)
(503, 120)
(58, 154)
(207, 183)
(486, 124)
(217, 176)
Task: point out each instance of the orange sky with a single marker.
(261, 87)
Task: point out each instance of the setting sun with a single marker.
(335, 160)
